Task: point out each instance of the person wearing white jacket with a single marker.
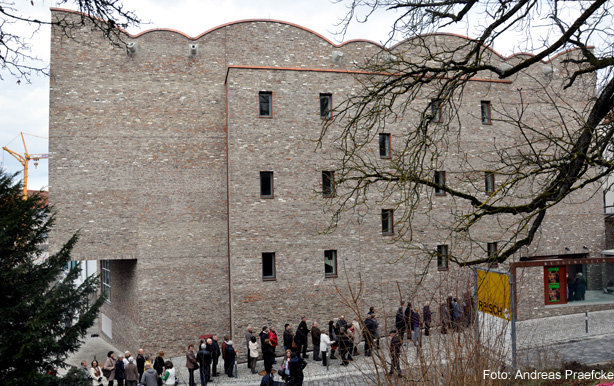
(325, 344)
(253, 353)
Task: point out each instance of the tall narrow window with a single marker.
(442, 257)
(326, 103)
(105, 268)
(266, 184)
(489, 182)
(492, 249)
(387, 221)
(328, 181)
(330, 263)
(384, 145)
(486, 113)
(265, 98)
(268, 265)
(436, 114)
(440, 179)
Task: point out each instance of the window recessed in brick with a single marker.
(330, 263)
(266, 100)
(105, 268)
(266, 184)
(440, 180)
(268, 266)
(436, 113)
(489, 182)
(485, 107)
(328, 183)
(384, 146)
(442, 257)
(387, 221)
(326, 106)
(492, 250)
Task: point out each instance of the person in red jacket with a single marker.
(273, 338)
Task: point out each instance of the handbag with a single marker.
(294, 345)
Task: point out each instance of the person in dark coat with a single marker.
(140, 362)
(303, 332)
(400, 320)
(333, 334)
(395, 352)
(315, 340)
(415, 326)
(344, 346)
(264, 334)
(288, 337)
(580, 286)
(268, 355)
(297, 364)
(159, 363)
(120, 373)
(370, 333)
(203, 357)
(230, 359)
(427, 318)
(571, 289)
(215, 355)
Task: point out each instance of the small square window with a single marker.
(266, 184)
(268, 265)
(330, 263)
(384, 145)
(436, 113)
(265, 98)
(440, 179)
(489, 182)
(328, 183)
(442, 257)
(492, 250)
(326, 106)
(387, 221)
(485, 106)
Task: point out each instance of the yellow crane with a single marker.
(24, 160)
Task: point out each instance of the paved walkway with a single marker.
(541, 343)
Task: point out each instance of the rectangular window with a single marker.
(492, 249)
(105, 268)
(326, 106)
(489, 182)
(440, 179)
(266, 184)
(387, 221)
(330, 263)
(268, 265)
(486, 112)
(442, 257)
(384, 145)
(436, 114)
(328, 181)
(265, 98)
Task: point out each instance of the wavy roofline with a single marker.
(504, 58)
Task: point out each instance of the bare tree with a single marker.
(549, 135)
(107, 16)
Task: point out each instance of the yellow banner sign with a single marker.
(494, 294)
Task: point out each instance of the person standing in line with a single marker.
(357, 335)
(415, 326)
(445, 318)
(341, 323)
(315, 340)
(273, 338)
(268, 356)
(202, 357)
(325, 345)
(191, 363)
(370, 332)
(297, 365)
(96, 373)
(253, 354)
(85, 370)
(229, 360)
(127, 356)
(303, 333)
(158, 364)
(140, 362)
(285, 366)
(150, 376)
(457, 316)
(400, 321)
(333, 335)
(264, 334)
(395, 353)
(288, 337)
(426, 318)
(120, 374)
(109, 368)
(343, 346)
(132, 373)
(168, 378)
(215, 355)
(224, 345)
(248, 338)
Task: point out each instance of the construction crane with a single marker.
(24, 160)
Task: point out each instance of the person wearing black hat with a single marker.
(109, 368)
(395, 352)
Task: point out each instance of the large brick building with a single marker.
(188, 166)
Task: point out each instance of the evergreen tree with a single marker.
(43, 317)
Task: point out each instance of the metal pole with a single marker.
(513, 311)
(327, 358)
(475, 303)
(586, 320)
